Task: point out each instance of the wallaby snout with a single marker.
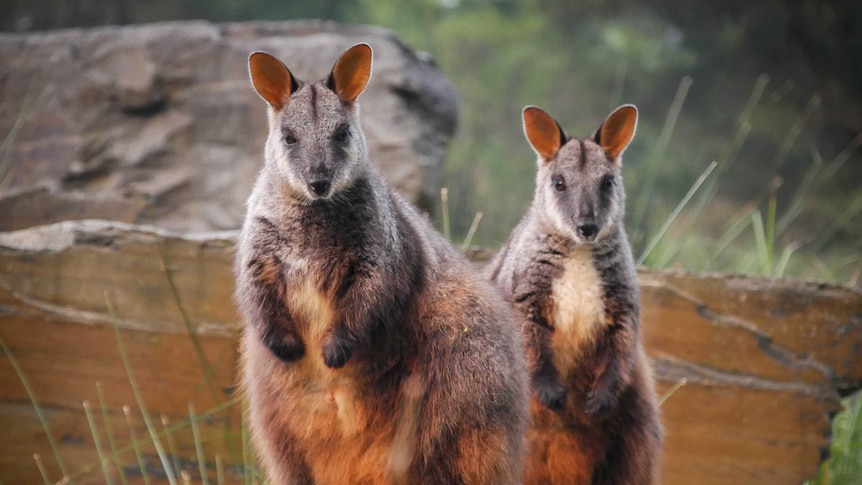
(588, 230)
(320, 186)
(319, 177)
(585, 222)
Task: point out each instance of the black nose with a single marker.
(319, 186)
(587, 231)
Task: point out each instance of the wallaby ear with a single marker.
(617, 130)
(271, 79)
(351, 73)
(543, 132)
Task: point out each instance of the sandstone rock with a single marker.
(764, 362)
(158, 124)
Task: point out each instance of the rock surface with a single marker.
(764, 362)
(158, 124)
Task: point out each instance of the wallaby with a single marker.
(373, 351)
(568, 271)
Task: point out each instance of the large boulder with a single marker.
(158, 123)
(750, 369)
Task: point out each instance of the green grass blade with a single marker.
(142, 465)
(672, 391)
(645, 192)
(41, 467)
(842, 158)
(444, 199)
(770, 231)
(840, 222)
(781, 265)
(733, 232)
(146, 441)
(206, 366)
(38, 408)
(172, 479)
(199, 446)
(219, 470)
(797, 202)
(760, 241)
(100, 452)
(472, 231)
(730, 152)
(187, 322)
(661, 232)
(172, 444)
(111, 441)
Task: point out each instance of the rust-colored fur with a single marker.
(373, 352)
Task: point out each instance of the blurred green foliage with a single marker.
(769, 90)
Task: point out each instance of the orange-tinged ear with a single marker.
(543, 132)
(271, 79)
(617, 130)
(351, 73)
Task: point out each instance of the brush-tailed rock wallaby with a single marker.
(568, 271)
(373, 353)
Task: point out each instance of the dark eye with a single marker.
(608, 183)
(342, 135)
(289, 139)
(558, 183)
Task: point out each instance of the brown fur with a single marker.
(568, 271)
(373, 353)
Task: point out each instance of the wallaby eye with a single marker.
(558, 183)
(289, 139)
(343, 134)
(608, 183)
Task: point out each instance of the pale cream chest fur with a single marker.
(578, 309)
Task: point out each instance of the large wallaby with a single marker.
(373, 353)
(567, 269)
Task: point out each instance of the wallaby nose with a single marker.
(320, 186)
(587, 231)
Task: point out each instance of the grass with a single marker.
(760, 237)
(844, 466)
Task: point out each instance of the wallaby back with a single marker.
(373, 352)
(567, 270)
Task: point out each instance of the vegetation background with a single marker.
(768, 90)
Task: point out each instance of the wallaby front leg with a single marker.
(615, 359)
(369, 298)
(537, 333)
(263, 288)
(269, 314)
(544, 376)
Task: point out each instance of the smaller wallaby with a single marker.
(568, 271)
(374, 353)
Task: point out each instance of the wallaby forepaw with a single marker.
(336, 351)
(551, 393)
(286, 347)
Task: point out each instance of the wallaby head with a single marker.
(315, 143)
(579, 187)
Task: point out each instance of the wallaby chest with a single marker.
(578, 308)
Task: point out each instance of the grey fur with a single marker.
(606, 399)
(409, 312)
